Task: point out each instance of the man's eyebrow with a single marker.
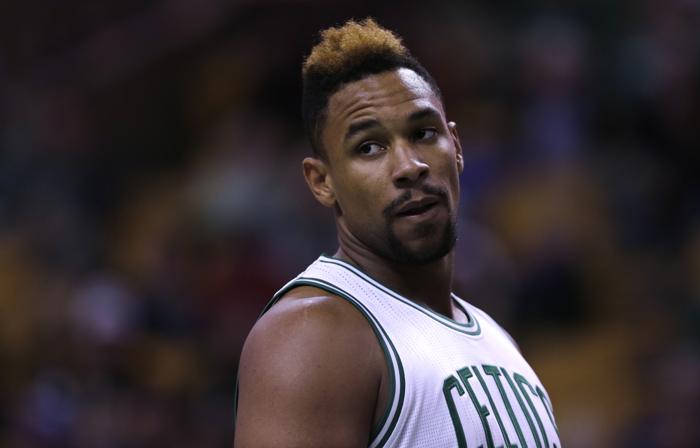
(360, 126)
(355, 128)
(426, 112)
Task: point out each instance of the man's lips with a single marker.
(417, 206)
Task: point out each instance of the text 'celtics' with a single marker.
(509, 407)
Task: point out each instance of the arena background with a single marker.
(151, 201)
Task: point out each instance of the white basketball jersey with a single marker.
(452, 384)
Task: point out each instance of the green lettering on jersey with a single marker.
(452, 383)
(522, 382)
(548, 407)
(522, 407)
(464, 375)
(495, 409)
(495, 373)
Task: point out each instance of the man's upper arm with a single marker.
(308, 377)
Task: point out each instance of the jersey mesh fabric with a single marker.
(432, 348)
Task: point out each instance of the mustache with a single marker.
(406, 196)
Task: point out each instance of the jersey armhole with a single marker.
(381, 433)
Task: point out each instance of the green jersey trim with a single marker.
(383, 430)
(471, 328)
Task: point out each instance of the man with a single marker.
(370, 347)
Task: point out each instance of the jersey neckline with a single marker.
(471, 327)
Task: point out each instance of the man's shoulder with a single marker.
(309, 305)
(309, 322)
(309, 358)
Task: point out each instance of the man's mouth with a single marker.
(417, 207)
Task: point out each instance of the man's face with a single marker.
(393, 164)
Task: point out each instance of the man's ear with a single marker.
(319, 180)
(458, 145)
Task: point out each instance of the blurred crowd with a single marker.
(151, 202)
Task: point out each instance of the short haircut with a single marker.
(345, 54)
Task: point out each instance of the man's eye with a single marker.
(370, 148)
(426, 134)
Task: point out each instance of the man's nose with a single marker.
(409, 167)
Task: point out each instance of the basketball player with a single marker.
(369, 347)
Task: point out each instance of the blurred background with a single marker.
(151, 202)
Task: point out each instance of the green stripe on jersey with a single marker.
(381, 433)
(471, 328)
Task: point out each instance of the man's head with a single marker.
(344, 55)
(384, 155)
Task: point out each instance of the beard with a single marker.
(402, 254)
(444, 239)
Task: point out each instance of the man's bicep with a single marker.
(304, 382)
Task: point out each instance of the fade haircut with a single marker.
(345, 54)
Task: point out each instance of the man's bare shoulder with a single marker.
(311, 358)
(309, 309)
(308, 325)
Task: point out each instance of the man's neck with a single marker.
(428, 284)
